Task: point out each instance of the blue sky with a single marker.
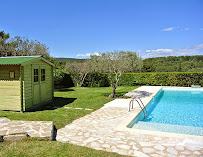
(78, 28)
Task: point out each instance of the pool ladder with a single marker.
(144, 110)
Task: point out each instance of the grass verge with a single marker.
(39, 147)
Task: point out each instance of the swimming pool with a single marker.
(173, 110)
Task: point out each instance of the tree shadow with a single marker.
(118, 94)
(58, 102)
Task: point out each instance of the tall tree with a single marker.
(115, 64)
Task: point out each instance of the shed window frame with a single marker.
(36, 75)
(43, 74)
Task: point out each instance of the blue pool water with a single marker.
(178, 111)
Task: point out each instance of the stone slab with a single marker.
(41, 129)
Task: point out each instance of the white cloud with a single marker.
(159, 50)
(97, 54)
(88, 54)
(177, 28)
(201, 29)
(186, 29)
(194, 50)
(84, 55)
(139, 51)
(168, 29)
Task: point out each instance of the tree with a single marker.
(25, 47)
(78, 71)
(6, 49)
(3, 37)
(115, 64)
(21, 46)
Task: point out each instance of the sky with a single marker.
(79, 28)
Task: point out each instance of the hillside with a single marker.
(174, 64)
(68, 59)
(161, 64)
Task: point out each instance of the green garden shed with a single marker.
(26, 82)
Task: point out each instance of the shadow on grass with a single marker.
(64, 90)
(58, 102)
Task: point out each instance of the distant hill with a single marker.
(174, 64)
(162, 64)
(68, 59)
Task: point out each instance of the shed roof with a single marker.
(18, 60)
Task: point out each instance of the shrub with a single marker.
(62, 79)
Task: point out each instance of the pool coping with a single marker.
(123, 125)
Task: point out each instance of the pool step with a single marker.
(169, 128)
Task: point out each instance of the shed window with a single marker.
(36, 75)
(42, 74)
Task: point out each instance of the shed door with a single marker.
(43, 83)
(39, 84)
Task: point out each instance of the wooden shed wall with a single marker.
(10, 95)
(27, 86)
(5, 69)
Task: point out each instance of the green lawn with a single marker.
(84, 97)
(43, 148)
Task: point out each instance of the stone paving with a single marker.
(87, 109)
(97, 131)
(14, 129)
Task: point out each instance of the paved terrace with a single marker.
(97, 131)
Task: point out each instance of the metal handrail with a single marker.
(131, 101)
(141, 106)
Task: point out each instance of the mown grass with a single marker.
(39, 147)
(93, 98)
(85, 97)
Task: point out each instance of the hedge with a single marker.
(183, 79)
